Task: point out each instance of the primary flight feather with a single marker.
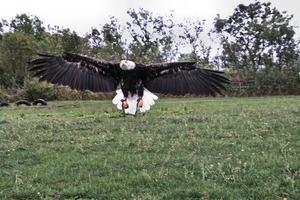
(135, 80)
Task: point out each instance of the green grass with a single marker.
(197, 148)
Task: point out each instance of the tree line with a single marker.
(257, 46)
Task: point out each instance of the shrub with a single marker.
(66, 93)
(34, 89)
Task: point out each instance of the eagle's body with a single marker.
(135, 80)
(132, 90)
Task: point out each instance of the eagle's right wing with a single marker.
(181, 78)
(77, 71)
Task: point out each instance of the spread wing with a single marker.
(181, 78)
(77, 71)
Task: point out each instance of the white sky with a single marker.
(81, 15)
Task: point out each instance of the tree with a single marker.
(191, 37)
(71, 42)
(152, 36)
(30, 25)
(16, 49)
(95, 38)
(257, 36)
(107, 42)
(1, 30)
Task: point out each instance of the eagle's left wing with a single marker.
(77, 71)
(181, 78)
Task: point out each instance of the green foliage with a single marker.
(271, 81)
(71, 42)
(33, 89)
(259, 46)
(2, 94)
(1, 30)
(221, 148)
(16, 50)
(256, 36)
(8, 80)
(152, 36)
(107, 43)
(191, 36)
(30, 25)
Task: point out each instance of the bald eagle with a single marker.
(135, 80)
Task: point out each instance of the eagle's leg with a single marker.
(140, 102)
(124, 101)
(124, 105)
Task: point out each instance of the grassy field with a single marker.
(197, 148)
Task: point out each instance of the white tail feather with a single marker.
(148, 100)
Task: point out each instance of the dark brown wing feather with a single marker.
(181, 78)
(78, 72)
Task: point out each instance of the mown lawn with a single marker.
(197, 148)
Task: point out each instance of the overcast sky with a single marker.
(81, 15)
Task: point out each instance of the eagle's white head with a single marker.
(127, 65)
